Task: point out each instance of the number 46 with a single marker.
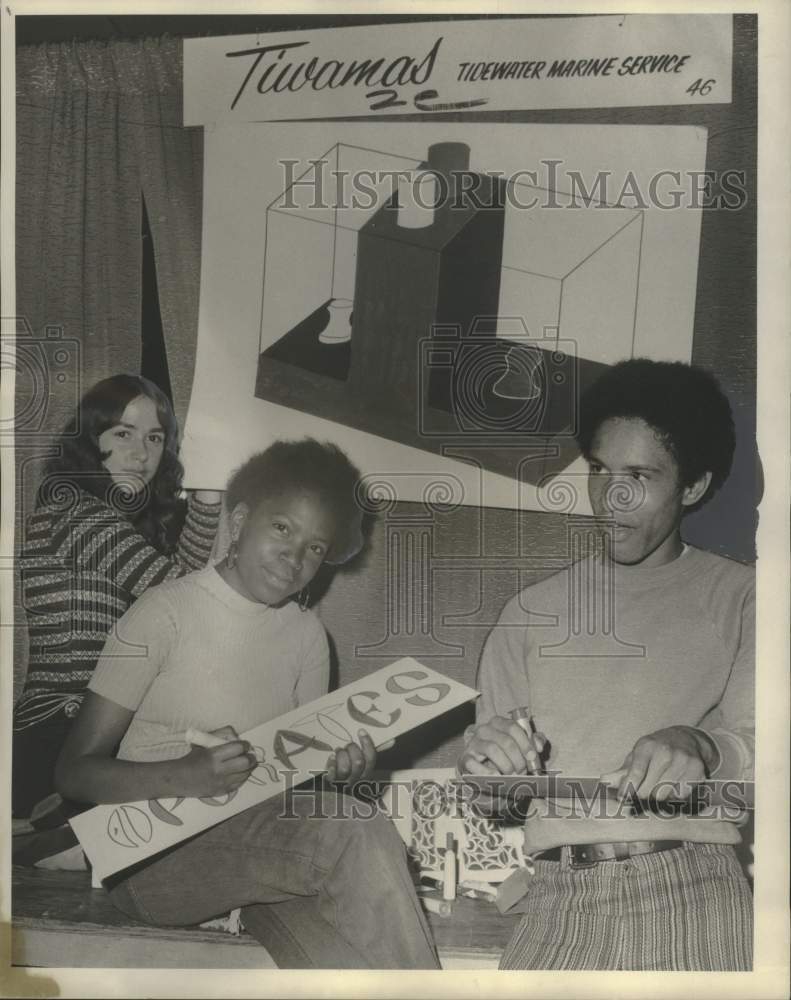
(701, 87)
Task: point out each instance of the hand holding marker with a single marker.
(523, 719)
(217, 763)
(346, 764)
(208, 740)
(497, 748)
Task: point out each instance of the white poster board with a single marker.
(588, 62)
(261, 260)
(290, 749)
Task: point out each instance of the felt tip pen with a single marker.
(208, 740)
(522, 718)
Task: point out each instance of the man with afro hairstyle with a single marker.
(637, 662)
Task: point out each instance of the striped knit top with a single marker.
(83, 564)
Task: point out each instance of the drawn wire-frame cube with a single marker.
(566, 272)
(572, 267)
(566, 265)
(311, 233)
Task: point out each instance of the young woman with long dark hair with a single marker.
(107, 525)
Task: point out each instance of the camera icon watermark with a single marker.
(497, 380)
(45, 366)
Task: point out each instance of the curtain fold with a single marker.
(98, 123)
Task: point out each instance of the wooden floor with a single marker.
(59, 921)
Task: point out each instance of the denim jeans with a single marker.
(318, 888)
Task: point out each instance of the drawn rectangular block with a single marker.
(290, 749)
(409, 281)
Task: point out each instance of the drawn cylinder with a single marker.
(449, 157)
(417, 199)
(449, 160)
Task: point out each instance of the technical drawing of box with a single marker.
(352, 296)
(312, 229)
(573, 266)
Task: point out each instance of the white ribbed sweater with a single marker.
(194, 653)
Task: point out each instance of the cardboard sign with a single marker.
(442, 66)
(290, 749)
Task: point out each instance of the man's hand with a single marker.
(501, 746)
(352, 762)
(664, 765)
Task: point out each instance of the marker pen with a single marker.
(522, 718)
(208, 740)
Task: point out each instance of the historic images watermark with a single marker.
(515, 798)
(554, 185)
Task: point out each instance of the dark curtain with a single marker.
(98, 128)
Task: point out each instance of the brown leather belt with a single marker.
(588, 855)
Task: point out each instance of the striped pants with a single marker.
(685, 909)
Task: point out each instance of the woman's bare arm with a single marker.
(88, 771)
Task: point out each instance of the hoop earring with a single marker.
(303, 598)
(232, 554)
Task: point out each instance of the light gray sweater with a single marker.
(194, 653)
(604, 654)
